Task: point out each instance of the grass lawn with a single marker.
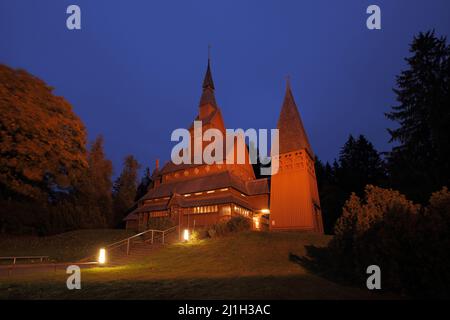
(66, 247)
(250, 265)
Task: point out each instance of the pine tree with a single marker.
(359, 165)
(144, 185)
(125, 187)
(331, 194)
(95, 188)
(420, 163)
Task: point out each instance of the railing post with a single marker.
(14, 260)
(163, 237)
(152, 235)
(128, 246)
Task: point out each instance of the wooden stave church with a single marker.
(199, 195)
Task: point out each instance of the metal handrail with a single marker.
(15, 258)
(127, 241)
(129, 238)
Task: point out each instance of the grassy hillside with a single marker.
(70, 246)
(248, 265)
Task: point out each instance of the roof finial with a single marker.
(288, 81)
(209, 52)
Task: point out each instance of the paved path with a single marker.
(26, 269)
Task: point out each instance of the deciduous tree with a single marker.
(42, 141)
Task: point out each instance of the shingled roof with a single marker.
(189, 202)
(210, 182)
(292, 132)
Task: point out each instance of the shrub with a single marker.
(235, 224)
(409, 243)
(238, 223)
(218, 229)
(195, 235)
(373, 230)
(432, 245)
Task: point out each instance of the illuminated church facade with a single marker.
(199, 195)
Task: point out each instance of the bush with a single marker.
(409, 243)
(218, 229)
(238, 223)
(235, 224)
(432, 245)
(195, 236)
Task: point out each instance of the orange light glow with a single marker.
(102, 256)
(256, 222)
(186, 235)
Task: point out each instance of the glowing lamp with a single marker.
(256, 221)
(186, 235)
(102, 256)
(265, 211)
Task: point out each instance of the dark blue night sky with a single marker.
(134, 71)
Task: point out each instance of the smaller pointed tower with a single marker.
(294, 199)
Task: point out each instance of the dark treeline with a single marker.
(419, 162)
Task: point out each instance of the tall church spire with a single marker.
(292, 132)
(208, 81)
(208, 87)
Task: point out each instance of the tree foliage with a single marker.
(42, 141)
(125, 188)
(420, 162)
(359, 164)
(144, 185)
(410, 243)
(94, 189)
